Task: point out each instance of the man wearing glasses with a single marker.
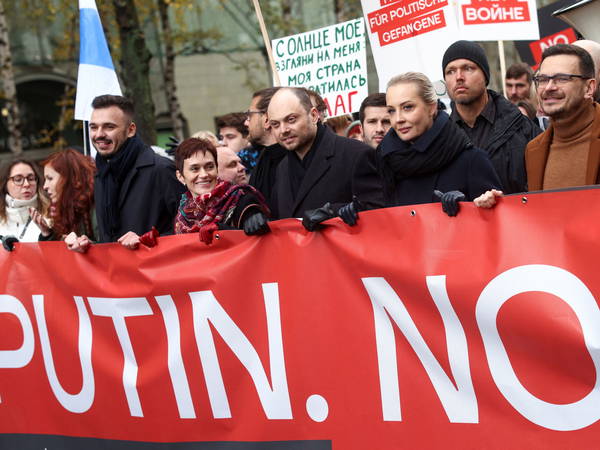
(567, 154)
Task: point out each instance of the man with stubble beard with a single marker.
(135, 189)
(321, 171)
(489, 120)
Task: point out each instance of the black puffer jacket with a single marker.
(506, 144)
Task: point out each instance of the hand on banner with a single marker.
(487, 199)
(8, 242)
(313, 217)
(450, 201)
(79, 244)
(39, 220)
(256, 224)
(349, 212)
(150, 238)
(130, 240)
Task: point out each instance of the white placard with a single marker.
(413, 35)
(409, 36)
(498, 20)
(330, 60)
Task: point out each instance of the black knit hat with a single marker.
(467, 50)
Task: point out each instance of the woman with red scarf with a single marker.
(211, 203)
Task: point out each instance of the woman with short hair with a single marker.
(426, 157)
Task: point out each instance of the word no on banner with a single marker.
(331, 61)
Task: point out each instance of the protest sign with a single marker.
(330, 60)
(552, 31)
(498, 20)
(409, 36)
(413, 35)
(410, 330)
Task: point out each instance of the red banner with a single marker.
(410, 330)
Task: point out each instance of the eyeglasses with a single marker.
(560, 79)
(253, 111)
(20, 179)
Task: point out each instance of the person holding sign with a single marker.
(490, 121)
(332, 174)
(426, 157)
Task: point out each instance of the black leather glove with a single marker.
(313, 217)
(256, 224)
(349, 212)
(172, 146)
(450, 201)
(8, 242)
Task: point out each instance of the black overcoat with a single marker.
(149, 196)
(341, 168)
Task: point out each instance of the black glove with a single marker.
(450, 201)
(349, 212)
(172, 146)
(256, 224)
(313, 217)
(8, 242)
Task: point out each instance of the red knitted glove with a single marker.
(149, 238)
(207, 231)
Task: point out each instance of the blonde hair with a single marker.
(424, 85)
(205, 134)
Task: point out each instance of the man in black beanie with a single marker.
(491, 121)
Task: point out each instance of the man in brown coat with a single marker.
(567, 154)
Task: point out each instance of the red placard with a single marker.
(410, 330)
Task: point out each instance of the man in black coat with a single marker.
(491, 122)
(320, 167)
(135, 189)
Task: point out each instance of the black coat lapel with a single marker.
(318, 166)
(145, 158)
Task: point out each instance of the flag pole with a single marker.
(86, 139)
(265, 36)
(502, 65)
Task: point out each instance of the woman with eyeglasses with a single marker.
(21, 191)
(69, 182)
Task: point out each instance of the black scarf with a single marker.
(112, 172)
(429, 153)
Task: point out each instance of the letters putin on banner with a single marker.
(410, 330)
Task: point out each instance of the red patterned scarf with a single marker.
(204, 212)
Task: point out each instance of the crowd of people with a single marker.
(283, 158)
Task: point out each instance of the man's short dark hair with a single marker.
(234, 120)
(586, 63)
(517, 70)
(377, 100)
(265, 96)
(123, 103)
(189, 147)
(318, 100)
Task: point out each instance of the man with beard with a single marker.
(517, 82)
(490, 121)
(269, 152)
(319, 167)
(135, 189)
(374, 119)
(568, 153)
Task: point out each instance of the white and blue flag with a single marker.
(96, 70)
